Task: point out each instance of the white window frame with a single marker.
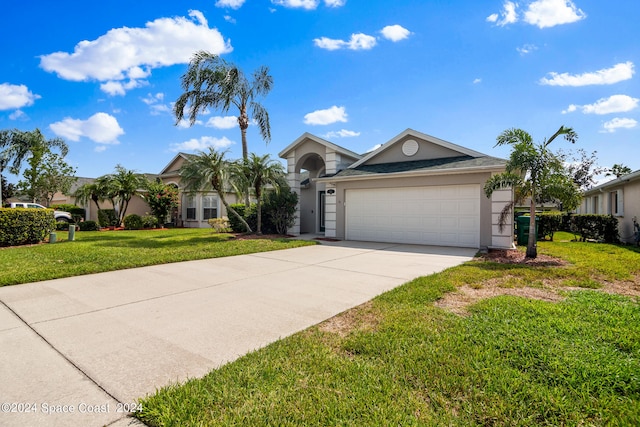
(191, 204)
(209, 202)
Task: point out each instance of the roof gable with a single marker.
(411, 146)
(307, 136)
(174, 165)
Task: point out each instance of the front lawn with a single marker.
(405, 359)
(95, 251)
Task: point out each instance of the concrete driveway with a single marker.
(80, 351)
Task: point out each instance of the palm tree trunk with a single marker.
(234, 212)
(259, 206)
(532, 249)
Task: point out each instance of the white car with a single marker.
(60, 216)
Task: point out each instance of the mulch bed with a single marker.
(515, 256)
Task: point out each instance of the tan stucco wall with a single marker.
(470, 178)
(426, 151)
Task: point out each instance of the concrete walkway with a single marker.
(85, 348)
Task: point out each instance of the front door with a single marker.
(321, 211)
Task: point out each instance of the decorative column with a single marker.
(293, 178)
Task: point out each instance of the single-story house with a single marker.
(619, 197)
(414, 189)
(195, 208)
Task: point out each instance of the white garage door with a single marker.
(447, 215)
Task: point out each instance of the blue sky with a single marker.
(104, 75)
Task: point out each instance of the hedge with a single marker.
(89, 226)
(595, 227)
(548, 224)
(25, 226)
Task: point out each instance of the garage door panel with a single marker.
(436, 215)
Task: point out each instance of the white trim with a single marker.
(419, 135)
(284, 153)
(409, 174)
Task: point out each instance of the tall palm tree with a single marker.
(212, 82)
(534, 172)
(210, 169)
(258, 172)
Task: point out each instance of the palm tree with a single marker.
(536, 173)
(211, 82)
(258, 172)
(210, 169)
(89, 192)
(123, 185)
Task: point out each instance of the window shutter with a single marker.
(620, 203)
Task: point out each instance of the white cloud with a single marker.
(185, 124)
(101, 128)
(219, 122)
(202, 143)
(335, 3)
(326, 117)
(357, 42)
(607, 76)
(619, 123)
(549, 13)
(155, 103)
(527, 48)
(374, 148)
(229, 19)
(122, 57)
(303, 4)
(13, 97)
(233, 4)
(153, 99)
(395, 33)
(508, 13)
(613, 104)
(342, 134)
(18, 114)
(476, 81)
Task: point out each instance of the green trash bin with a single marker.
(522, 226)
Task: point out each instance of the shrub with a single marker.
(107, 217)
(89, 226)
(280, 209)
(62, 226)
(596, 227)
(220, 225)
(133, 222)
(250, 215)
(149, 221)
(548, 224)
(25, 226)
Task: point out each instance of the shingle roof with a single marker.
(460, 162)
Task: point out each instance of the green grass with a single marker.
(94, 252)
(403, 361)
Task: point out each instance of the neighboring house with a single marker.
(619, 197)
(195, 208)
(414, 189)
